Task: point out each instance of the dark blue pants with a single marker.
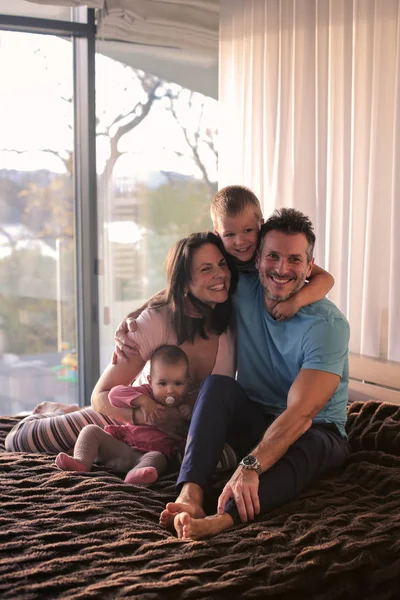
(224, 413)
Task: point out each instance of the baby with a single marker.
(141, 451)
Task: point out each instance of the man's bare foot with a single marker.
(175, 508)
(189, 528)
(190, 501)
(54, 407)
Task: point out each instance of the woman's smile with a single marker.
(210, 275)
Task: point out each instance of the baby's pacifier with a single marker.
(170, 400)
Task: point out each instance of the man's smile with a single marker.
(281, 280)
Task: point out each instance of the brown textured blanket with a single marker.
(78, 536)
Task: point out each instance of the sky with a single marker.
(36, 111)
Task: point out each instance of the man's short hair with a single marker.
(291, 222)
(232, 200)
(170, 355)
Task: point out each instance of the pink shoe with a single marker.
(68, 463)
(142, 475)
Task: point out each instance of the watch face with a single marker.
(249, 461)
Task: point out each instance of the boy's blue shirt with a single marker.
(271, 353)
(247, 267)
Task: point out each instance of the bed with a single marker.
(78, 536)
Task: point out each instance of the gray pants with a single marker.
(95, 445)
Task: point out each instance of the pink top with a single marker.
(121, 395)
(155, 329)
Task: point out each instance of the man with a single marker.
(285, 414)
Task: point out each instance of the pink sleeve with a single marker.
(225, 362)
(122, 395)
(153, 329)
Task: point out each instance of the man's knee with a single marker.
(223, 386)
(215, 380)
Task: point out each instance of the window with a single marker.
(38, 329)
(157, 170)
(29, 9)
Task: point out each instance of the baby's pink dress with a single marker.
(145, 438)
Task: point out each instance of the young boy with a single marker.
(140, 450)
(237, 218)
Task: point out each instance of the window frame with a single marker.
(83, 33)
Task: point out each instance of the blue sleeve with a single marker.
(325, 346)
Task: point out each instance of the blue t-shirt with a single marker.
(271, 353)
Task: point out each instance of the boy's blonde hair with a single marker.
(232, 200)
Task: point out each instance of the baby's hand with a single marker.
(285, 309)
(185, 411)
(152, 411)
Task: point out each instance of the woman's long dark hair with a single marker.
(179, 265)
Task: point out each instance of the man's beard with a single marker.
(299, 284)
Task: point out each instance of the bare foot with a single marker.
(189, 528)
(68, 463)
(190, 500)
(54, 407)
(142, 475)
(175, 508)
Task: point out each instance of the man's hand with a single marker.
(152, 411)
(125, 347)
(285, 309)
(243, 488)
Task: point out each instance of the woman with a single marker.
(195, 313)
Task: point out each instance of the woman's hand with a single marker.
(166, 418)
(171, 422)
(125, 348)
(152, 411)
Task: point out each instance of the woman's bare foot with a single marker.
(54, 407)
(142, 475)
(189, 528)
(189, 501)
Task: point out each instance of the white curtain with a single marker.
(310, 102)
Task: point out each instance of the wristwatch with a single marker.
(252, 463)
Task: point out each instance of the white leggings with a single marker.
(52, 433)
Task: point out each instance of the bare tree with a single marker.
(123, 123)
(197, 137)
